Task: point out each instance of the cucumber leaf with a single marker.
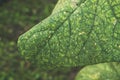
(77, 33)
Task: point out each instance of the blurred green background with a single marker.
(16, 17)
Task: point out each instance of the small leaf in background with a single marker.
(103, 71)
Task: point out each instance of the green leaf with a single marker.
(77, 33)
(104, 71)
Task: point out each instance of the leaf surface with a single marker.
(77, 33)
(104, 71)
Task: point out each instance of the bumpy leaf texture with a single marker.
(104, 71)
(77, 33)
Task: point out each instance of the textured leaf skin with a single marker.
(77, 33)
(104, 71)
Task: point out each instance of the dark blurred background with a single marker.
(16, 17)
